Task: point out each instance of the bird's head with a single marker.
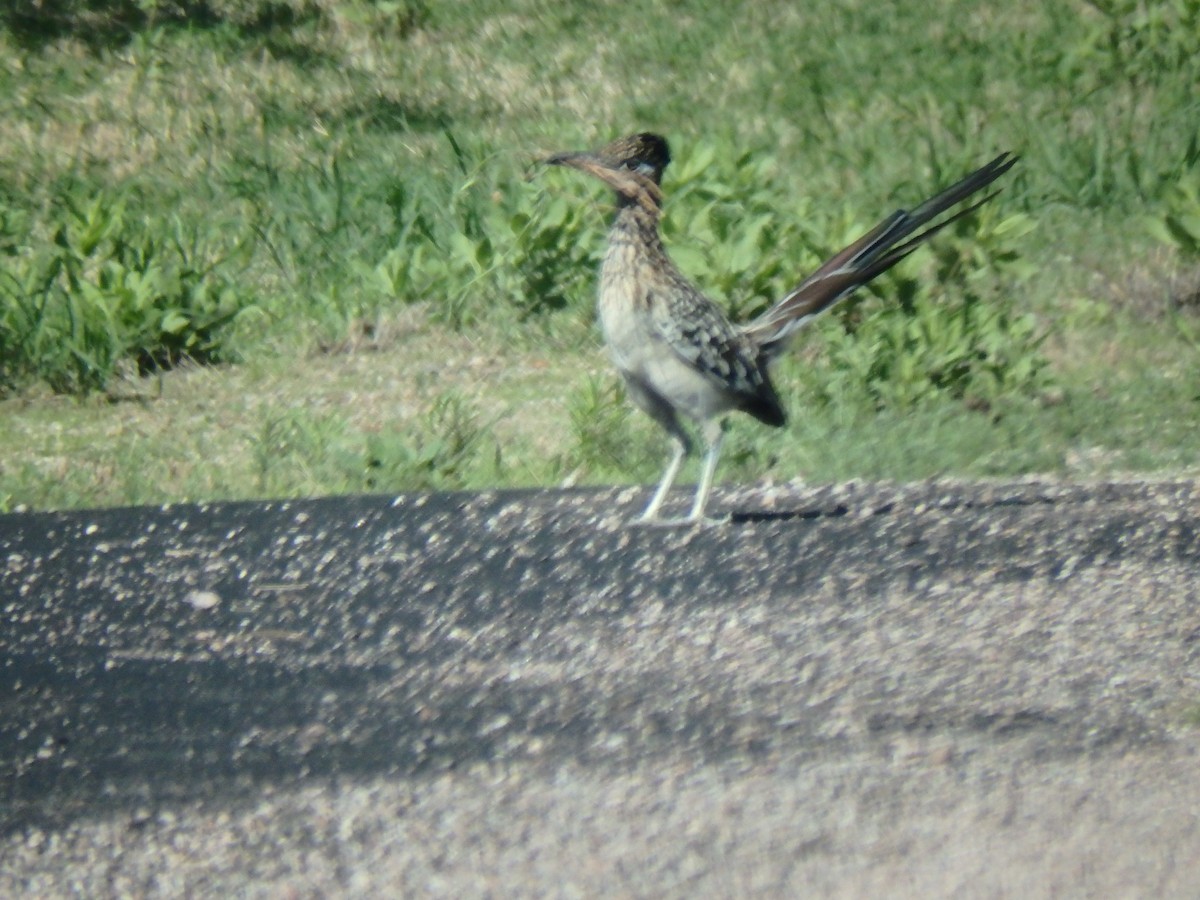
(632, 166)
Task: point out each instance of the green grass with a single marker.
(327, 206)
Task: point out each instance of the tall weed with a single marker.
(111, 291)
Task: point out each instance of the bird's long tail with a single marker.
(875, 252)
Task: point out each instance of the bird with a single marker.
(680, 357)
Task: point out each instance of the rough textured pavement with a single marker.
(931, 690)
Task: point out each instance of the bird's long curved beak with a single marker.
(584, 161)
(574, 160)
(571, 158)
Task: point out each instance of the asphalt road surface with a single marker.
(945, 689)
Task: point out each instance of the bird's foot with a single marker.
(681, 521)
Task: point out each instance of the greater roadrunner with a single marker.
(677, 352)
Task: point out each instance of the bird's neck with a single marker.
(637, 220)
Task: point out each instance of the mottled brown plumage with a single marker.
(680, 356)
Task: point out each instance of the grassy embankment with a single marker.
(259, 249)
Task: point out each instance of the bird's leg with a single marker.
(677, 456)
(713, 437)
(711, 456)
